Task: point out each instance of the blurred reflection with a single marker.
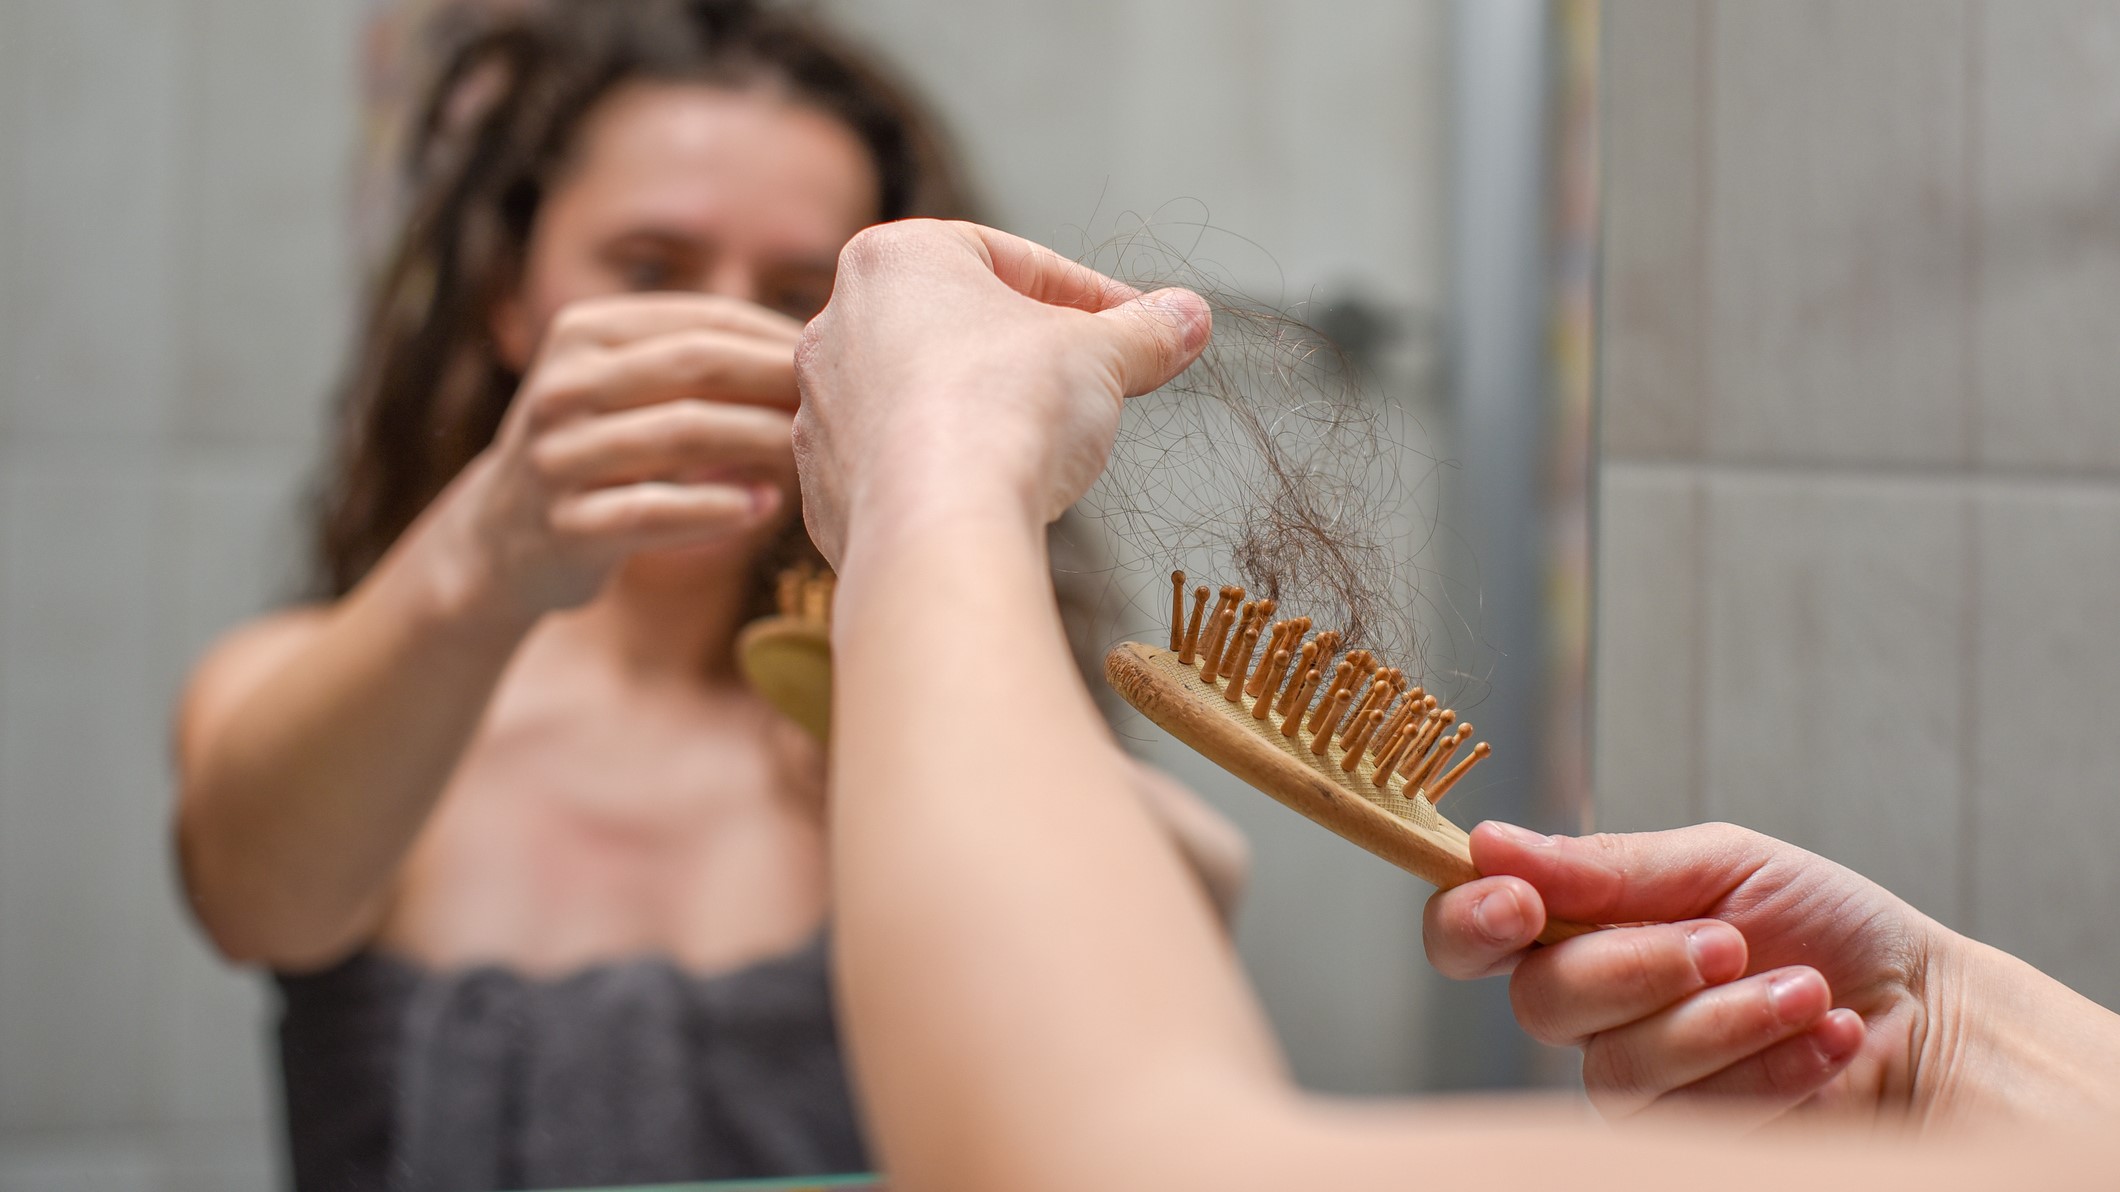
(542, 881)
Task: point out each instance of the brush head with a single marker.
(1350, 743)
(787, 657)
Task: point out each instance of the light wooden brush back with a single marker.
(1348, 742)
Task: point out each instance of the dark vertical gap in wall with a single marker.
(1499, 372)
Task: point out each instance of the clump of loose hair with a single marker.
(1271, 462)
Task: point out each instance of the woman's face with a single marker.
(691, 187)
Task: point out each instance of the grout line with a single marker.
(1895, 473)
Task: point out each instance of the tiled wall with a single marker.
(174, 178)
(172, 294)
(1860, 524)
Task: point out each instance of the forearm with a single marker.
(1017, 942)
(2008, 1043)
(300, 801)
(1212, 848)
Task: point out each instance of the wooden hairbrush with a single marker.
(787, 657)
(1352, 746)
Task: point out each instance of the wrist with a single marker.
(457, 589)
(2007, 1041)
(937, 499)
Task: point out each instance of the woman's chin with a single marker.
(714, 557)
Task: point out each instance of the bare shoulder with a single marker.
(234, 665)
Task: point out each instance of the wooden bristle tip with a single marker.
(1301, 692)
(1342, 675)
(1177, 610)
(1479, 753)
(1245, 645)
(1336, 709)
(1211, 652)
(1304, 664)
(1192, 627)
(1380, 688)
(1362, 733)
(1272, 670)
(1439, 761)
(1274, 645)
(1389, 758)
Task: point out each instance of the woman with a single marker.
(542, 881)
(1034, 1002)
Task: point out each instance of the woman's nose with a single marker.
(733, 279)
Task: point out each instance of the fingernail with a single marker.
(1717, 952)
(765, 500)
(1785, 993)
(1523, 836)
(1499, 917)
(1187, 309)
(1838, 1043)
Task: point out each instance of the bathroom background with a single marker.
(1859, 502)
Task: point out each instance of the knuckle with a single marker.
(1746, 1014)
(556, 392)
(1798, 1068)
(1532, 998)
(870, 245)
(1639, 963)
(548, 458)
(690, 424)
(1612, 1071)
(563, 524)
(700, 357)
(809, 346)
(576, 322)
(1731, 838)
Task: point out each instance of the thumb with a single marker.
(1641, 877)
(1152, 338)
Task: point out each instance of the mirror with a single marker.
(193, 200)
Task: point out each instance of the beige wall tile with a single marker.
(1652, 323)
(2048, 152)
(229, 552)
(90, 245)
(268, 288)
(102, 1163)
(1838, 232)
(1647, 754)
(83, 794)
(1835, 625)
(1310, 139)
(2046, 758)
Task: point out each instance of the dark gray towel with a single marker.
(402, 1080)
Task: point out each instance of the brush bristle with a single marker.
(1367, 708)
(805, 593)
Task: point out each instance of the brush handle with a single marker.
(1406, 831)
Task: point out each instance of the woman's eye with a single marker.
(647, 275)
(800, 301)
